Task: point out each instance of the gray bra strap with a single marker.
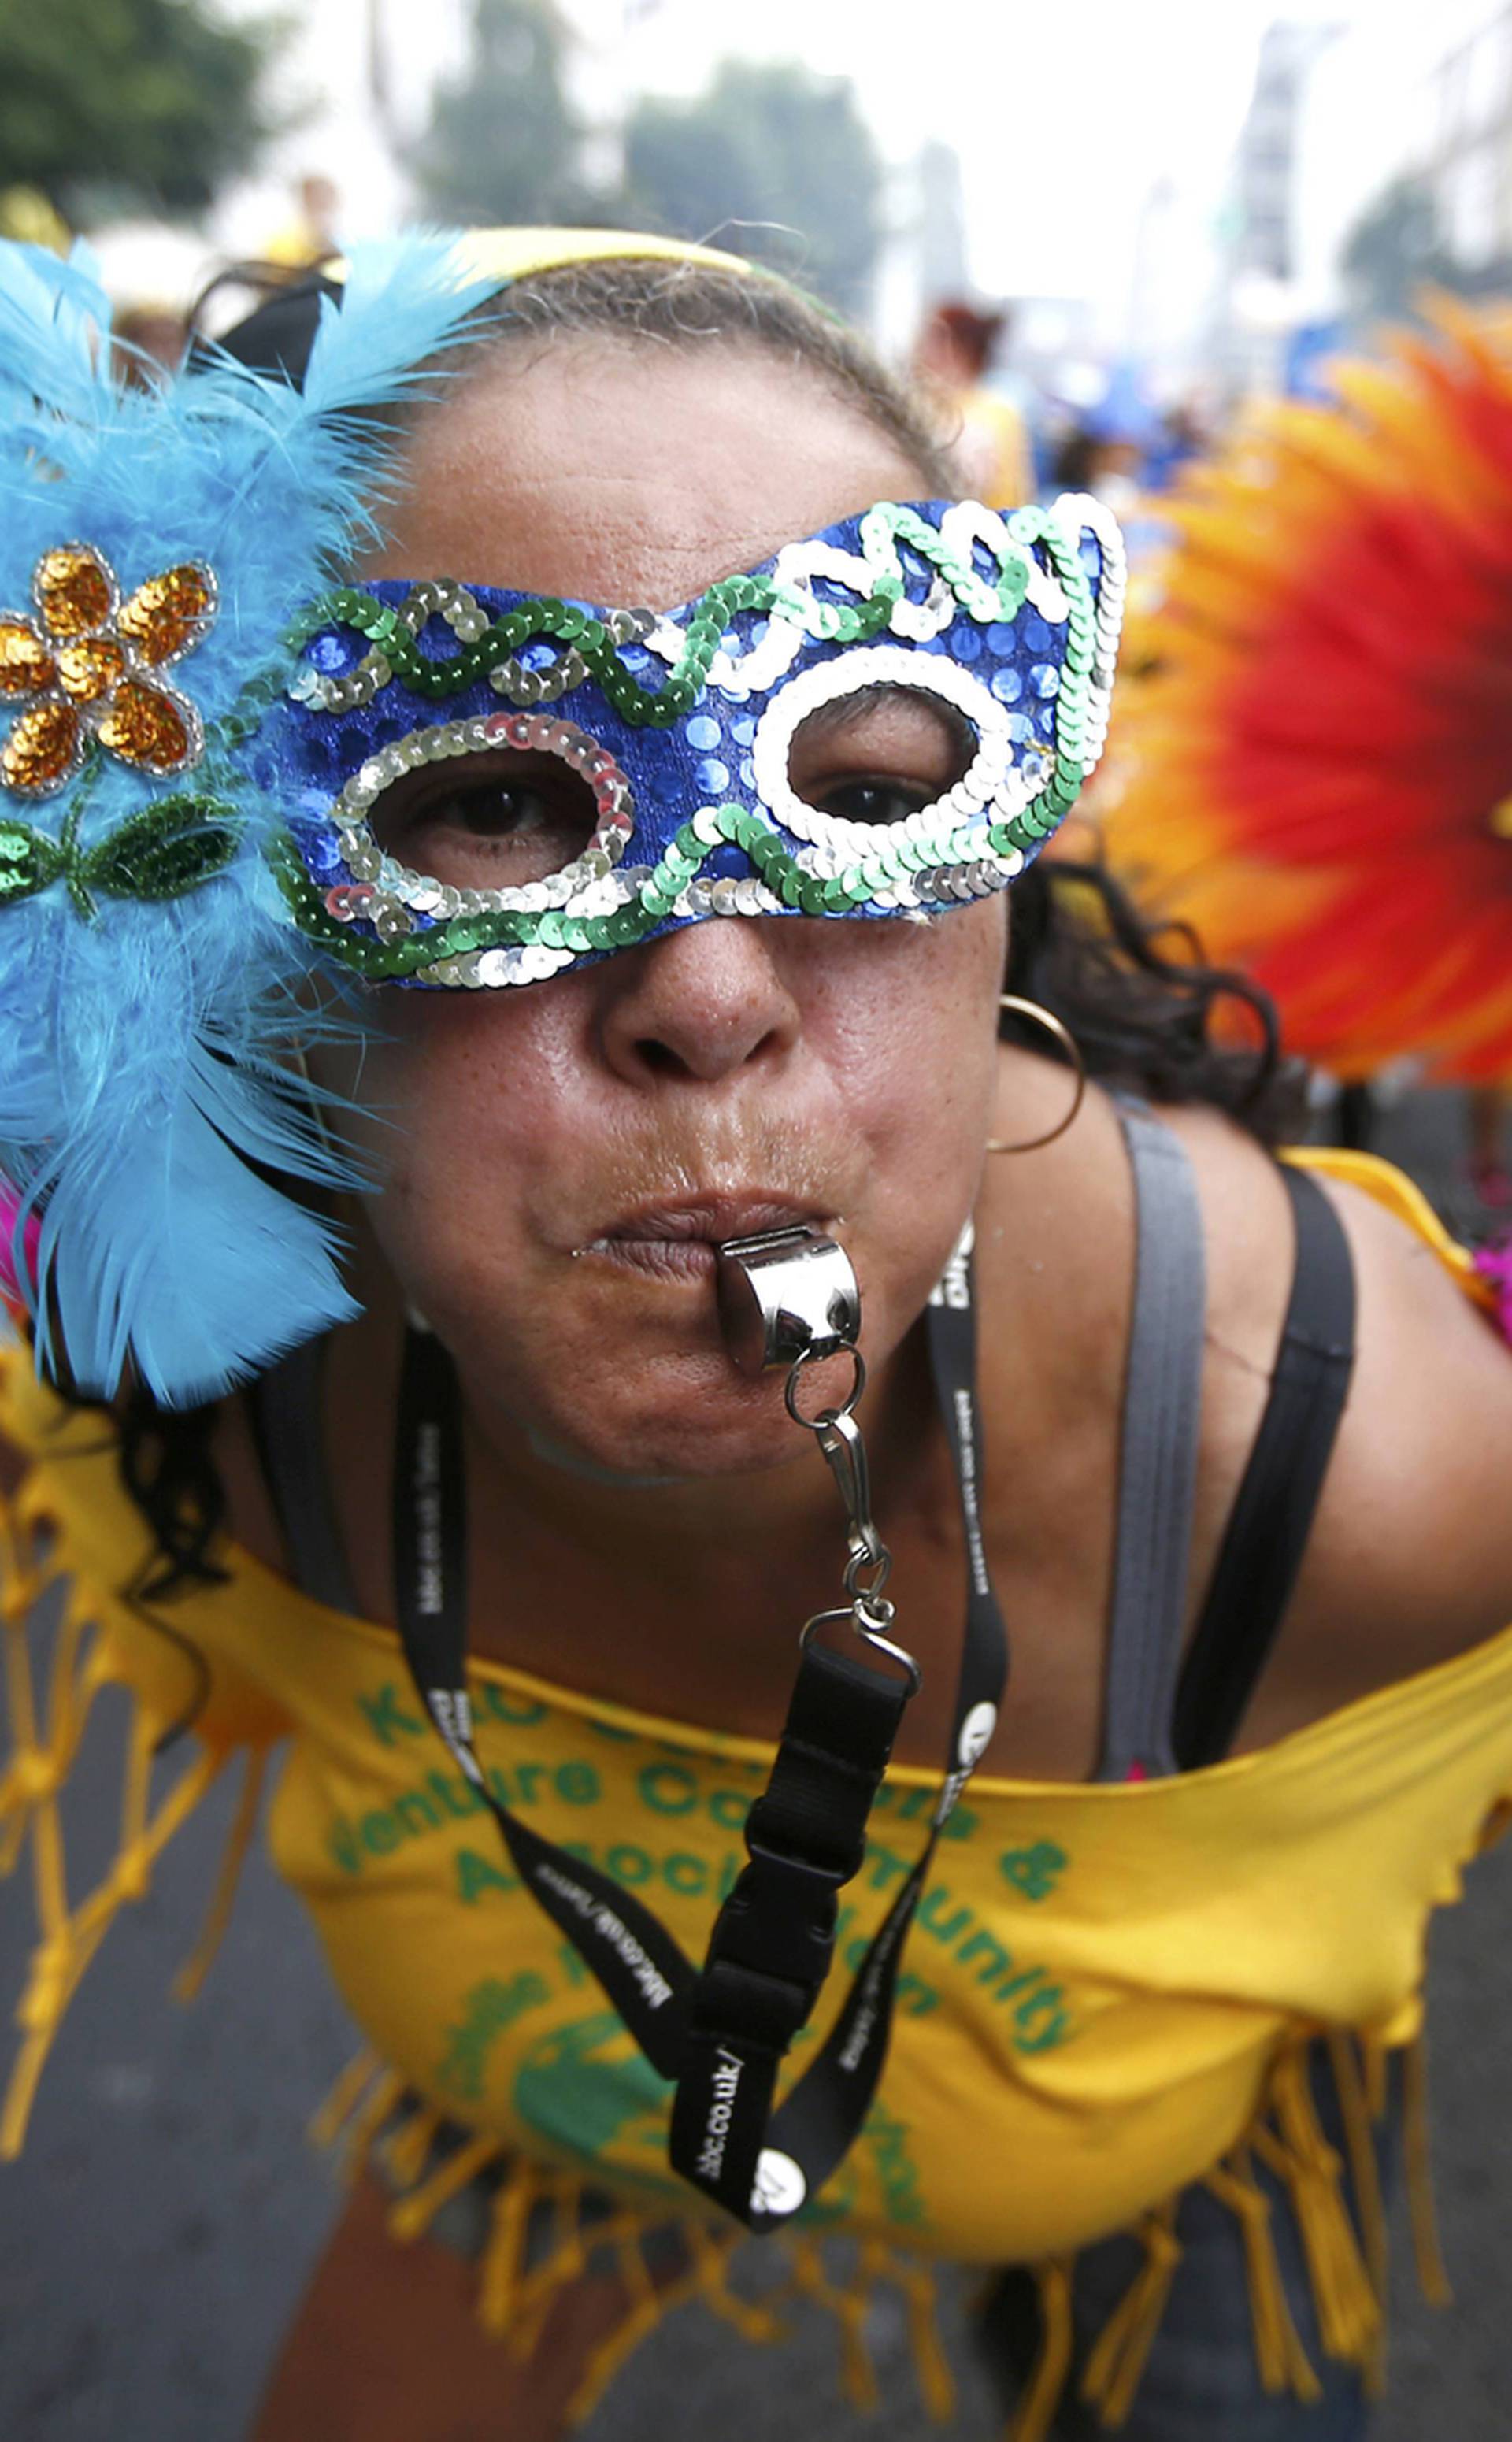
(1159, 1467)
(289, 1400)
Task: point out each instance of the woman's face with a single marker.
(559, 1158)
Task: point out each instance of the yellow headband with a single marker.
(509, 254)
(506, 254)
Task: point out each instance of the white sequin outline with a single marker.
(988, 780)
(567, 890)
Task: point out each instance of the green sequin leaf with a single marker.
(29, 861)
(171, 847)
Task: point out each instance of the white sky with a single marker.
(1065, 115)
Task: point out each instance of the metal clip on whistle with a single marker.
(790, 1296)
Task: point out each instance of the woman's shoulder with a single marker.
(199, 1645)
(1410, 1562)
(34, 1419)
(1426, 1447)
(1410, 1559)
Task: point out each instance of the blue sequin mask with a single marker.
(488, 787)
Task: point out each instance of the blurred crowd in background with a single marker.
(1243, 277)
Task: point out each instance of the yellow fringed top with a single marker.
(1105, 1993)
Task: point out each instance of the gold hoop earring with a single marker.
(1067, 1041)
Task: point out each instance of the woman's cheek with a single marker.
(458, 1108)
(916, 1044)
(487, 1117)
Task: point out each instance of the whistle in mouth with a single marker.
(786, 1295)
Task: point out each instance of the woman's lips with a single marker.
(658, 1259)
(680, 1242)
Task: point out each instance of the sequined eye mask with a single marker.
(635, 769)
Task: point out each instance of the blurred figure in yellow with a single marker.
(26, 215)
(984, 429)
(311, 236)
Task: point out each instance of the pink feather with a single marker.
(1494, 1264)
(15, 1293)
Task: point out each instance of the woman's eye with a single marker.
(492, 809)
(872, 801)
(880, 755)
(493, 821)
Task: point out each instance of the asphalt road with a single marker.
(160, 2229)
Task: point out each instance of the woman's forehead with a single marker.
(629, 474)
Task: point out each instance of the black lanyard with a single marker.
(719, 2032)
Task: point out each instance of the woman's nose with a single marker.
(701, 1003)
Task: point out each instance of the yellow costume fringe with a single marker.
(1347, 2273)
(43, 1744)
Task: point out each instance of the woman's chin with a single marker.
(636, 1410)
(700, 1442)
(644, 1394)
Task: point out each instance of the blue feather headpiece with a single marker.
(156, 548)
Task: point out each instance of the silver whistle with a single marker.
(786, 1296)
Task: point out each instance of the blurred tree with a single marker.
(765, 143)
(138, 104)
(1394, 250)
(503, 141)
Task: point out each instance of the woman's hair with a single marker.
(643, 303)
(1140, 1002)
(1143, 1019)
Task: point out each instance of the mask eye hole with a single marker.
(880, 754)
(489, 820)
(501, 805)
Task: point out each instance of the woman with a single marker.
(1120, 1974)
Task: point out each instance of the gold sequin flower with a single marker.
(81, 670)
